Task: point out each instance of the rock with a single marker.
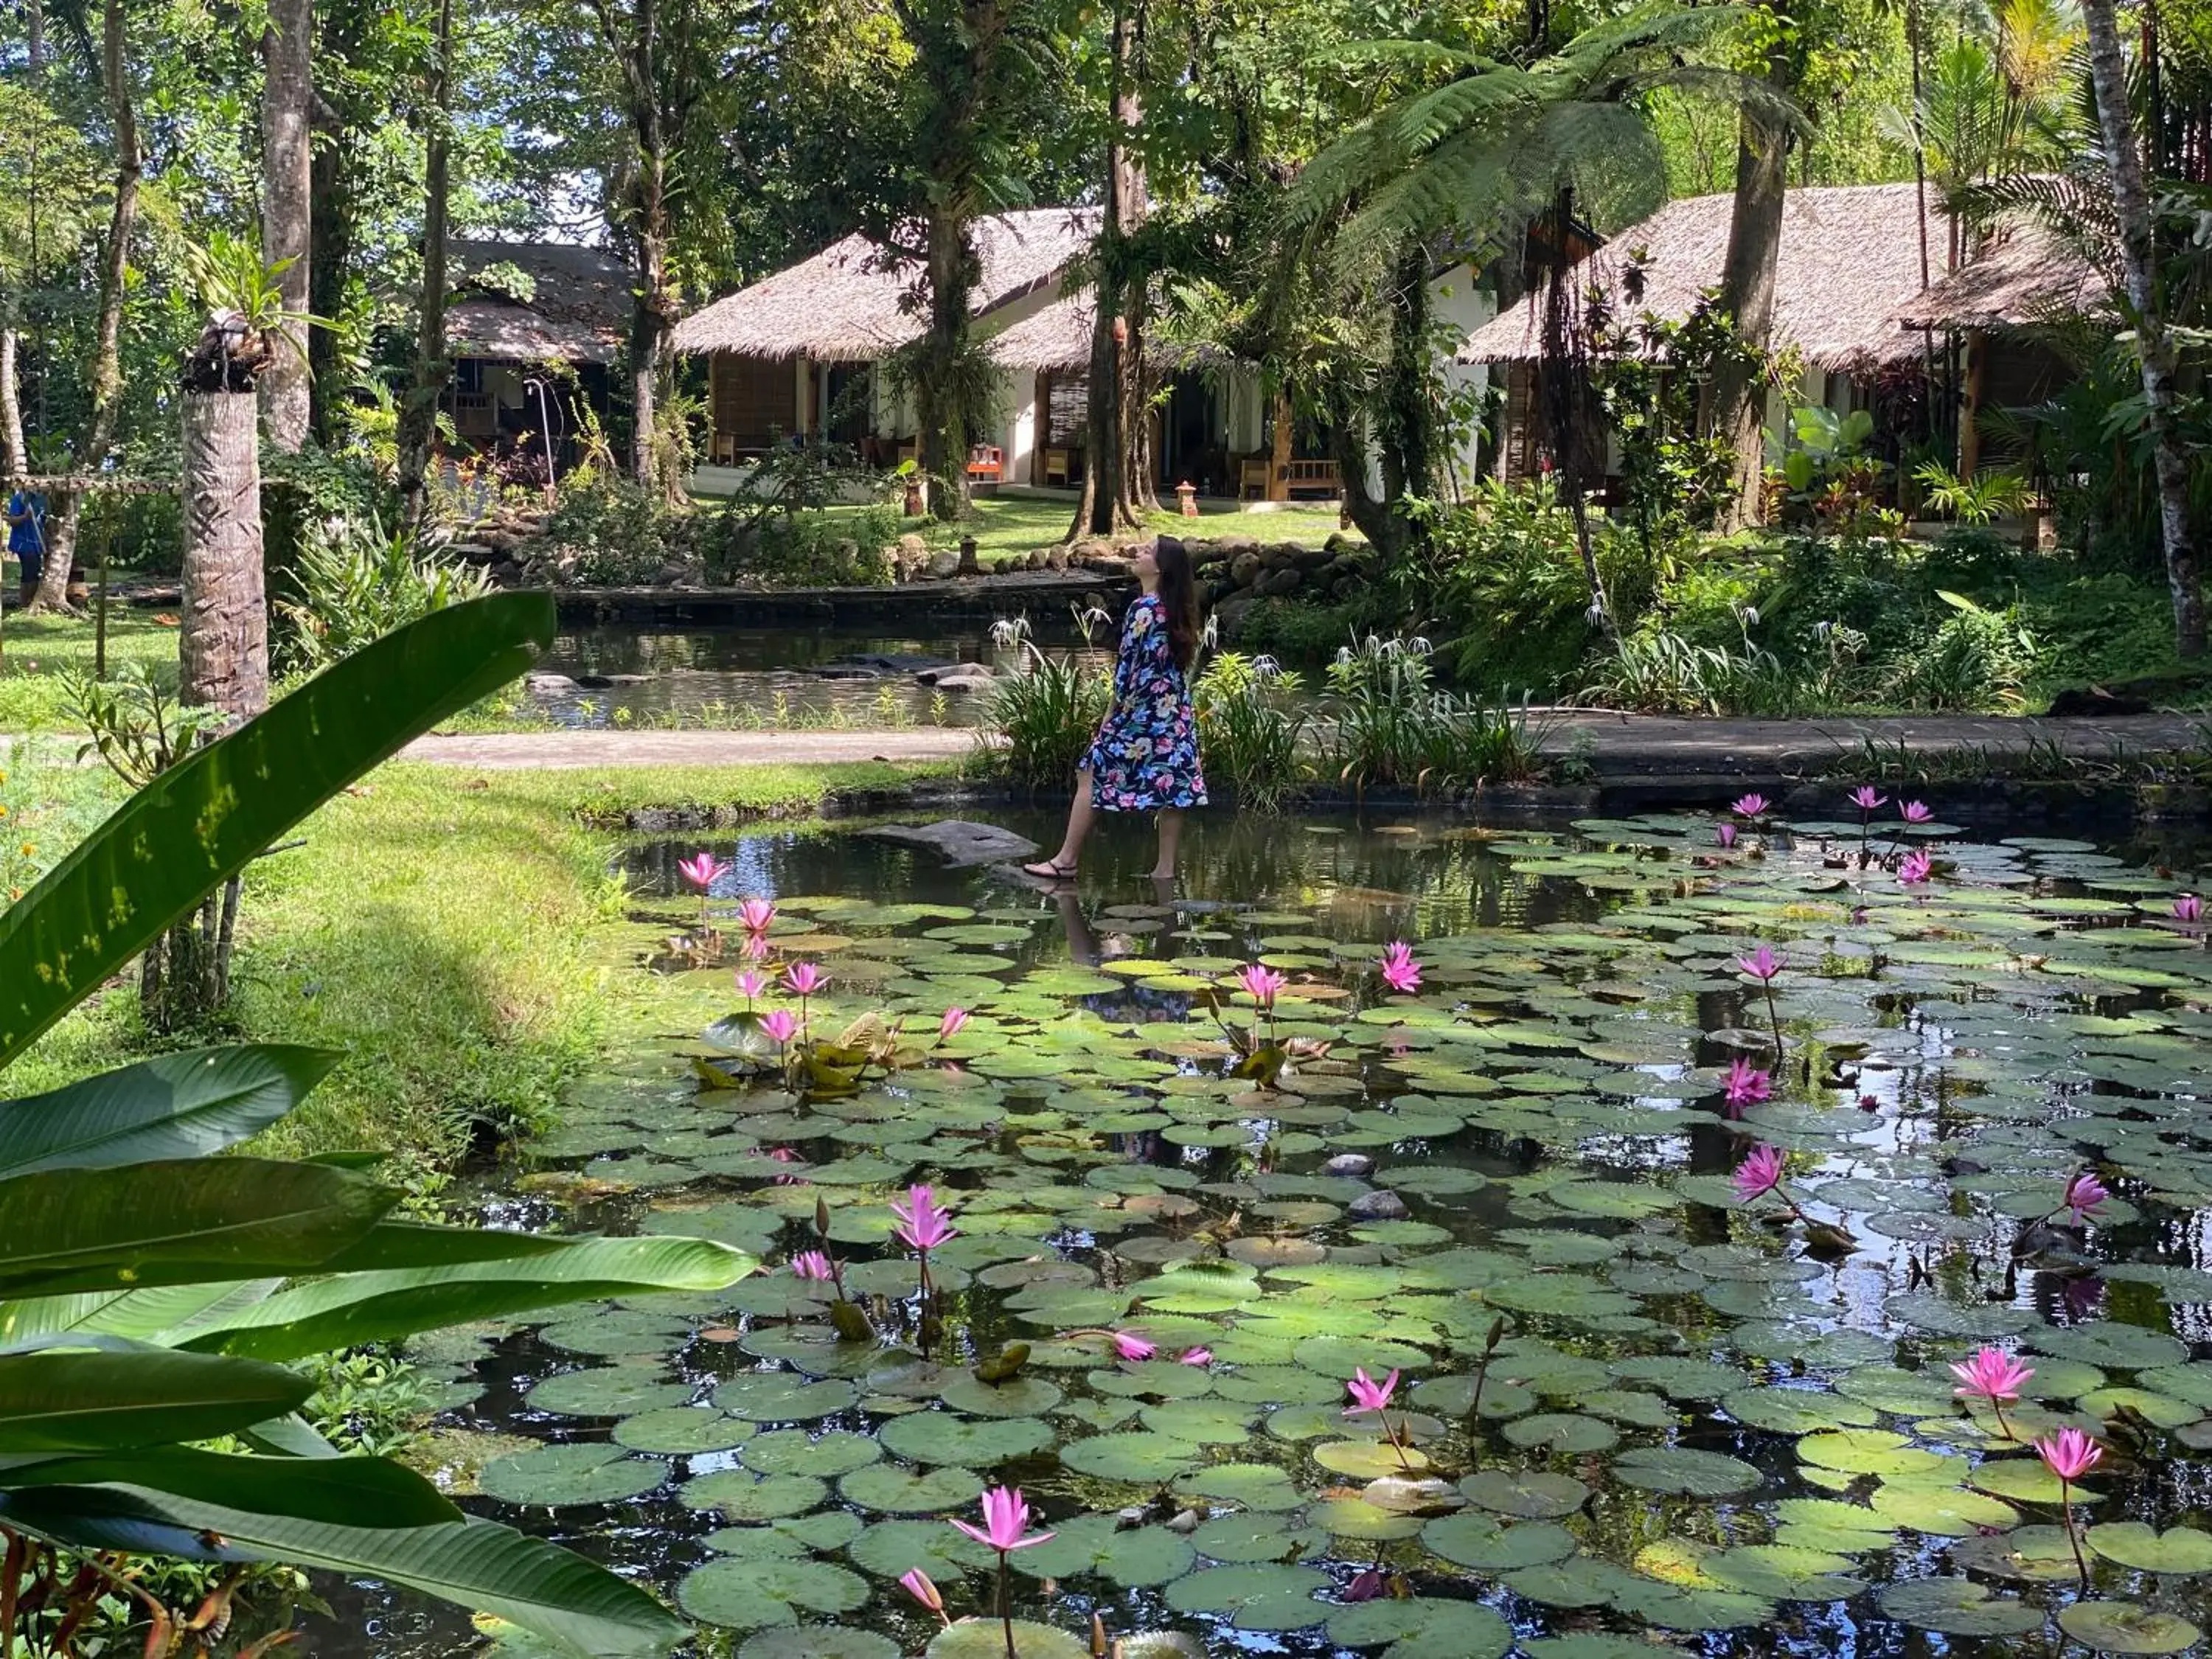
(1232, 612)
(669, 574)
(1381, 1205)
(1233, 547)
(1345, 587)
(1283, 553)
(1404, 1495)
(1244, 570)
(1057, 558)
(1337, 542)
(946, 561)
(1356, 1166)
(552, 685)
(929, 673)
(982, 680)
(963, 845)
(1313, 558)
(1288, 579)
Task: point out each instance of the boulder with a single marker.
(1232, 547)
(1055, 558)
(1353, 1166)
(1232, 610)
(945, 563)
(930, 673)
(1288, 579)
(1311, 559)
(1244, 570)
(1381, 1205)
(965, 683)
(962, 844)
(552, 685)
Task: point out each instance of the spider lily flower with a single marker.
(701, 870)
(1261, 984)
(779, 1025)
(804, 979)
(1914, 811)
(1006, 1519)
(923, 1224)
(2070, 1454)
(1368, 1395)
(1914, 868)
(916, 1583)
(1867, 797)
(2189, 908)
(1746, 1085)
(755, 915)
(1761, 964)
(2084, 1193)
(1400, 971)
(950, 1025)
(1750, 806)
(1724, 834)
(1758, 1174)
(1127, 1345)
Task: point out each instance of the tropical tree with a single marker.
(287, 178)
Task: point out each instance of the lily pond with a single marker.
(1510, 1292)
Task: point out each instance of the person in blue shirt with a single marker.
(27, 536)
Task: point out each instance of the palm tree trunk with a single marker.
(15, 453)
(99, 434)
(2154, 346)
(287, 105)
(418, 412)
(940, 409)
(1737, 396)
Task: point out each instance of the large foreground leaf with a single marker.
(354, 1308)
(77, 1400)
(491, 1568)
(329, 1491)
(183, 1105)
(202, 820)
(178, 1222)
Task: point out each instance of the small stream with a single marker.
(1725, 1427)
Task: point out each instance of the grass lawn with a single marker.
(459, 936)
(35, 651)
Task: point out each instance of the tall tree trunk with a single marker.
(99, 432)
(418, 412)
(651, 316)
(287, 112)
(332, 206)
(940, 405)
(1406, 432)
(1116, 484)
(2154, 346)
(1736, 403)
(15, 453)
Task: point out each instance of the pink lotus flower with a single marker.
(1913, 811)
(1761, 964)
(1005, 1518)
(778, 1025)
(1127, 1345)
(813, 1265)
(755, 915)
(1262, 984)
(752, 986)
(1365, 1585)
(1400, 971)
(950, 1025)
(1200, 1358)
(1750, 806)
(2189, 908)
(1866, 797)
(1746, 1085)
(756, 947)
(804, 979)
(923, 1224)
(1368, 1395)
(1760, 1174)
(2084, 1193)
(916, 1584)
(1725, 835)
(1995, 1376)
(701, 870)
(1914, 868)
(2070, 1454)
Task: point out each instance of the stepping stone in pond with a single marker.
(962, 844)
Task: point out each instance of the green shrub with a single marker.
(356, 583)
(1391, 728)
(1048, 711)
(1249, 728)
(1975, 659)
(609, 533)
(816, 548)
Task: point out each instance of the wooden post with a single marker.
(1970, 425)
(1279, 466)
(99, 605)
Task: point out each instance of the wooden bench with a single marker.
(1313, 477)
(986, 467)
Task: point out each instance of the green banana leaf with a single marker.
(391, 1246)
(491, 1568)
(178, 1222)
(70, 1400)
(184, 1105)
(200, 822)
(34, 1321)
(342, 1491)
(351, 1309)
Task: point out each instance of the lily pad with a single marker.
(1685, 1471)
(1128, 1556)
(1959, 1607)
(2180, 1551)
(1271, 1597)
(972, 1441)
(746, 1594)
(2123, 1627)
(557, 1477)
(1422, 1627)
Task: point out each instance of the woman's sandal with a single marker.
(1049, 870)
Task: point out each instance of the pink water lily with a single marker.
(1365, 1586)
(1867, 797)
(917, 1584)
(923, 1224)
(2069, 1455)
(1995, 1376)
(2084, 1193)
(813, 1265)
(1725, 835)
(756, 947)
(703, 870)
(1367, 1394)
(755, 915)
(1262, 984)
(2189, 908)
(1914, 812)
(1200, 1358)
(1761, 964)
(1746, 1084)
(950, 1025)
(804, 979)
(752, 985)
(1750, 806)
(1914, 868)
(778, 1025)
(1005, 1522)
(1760, 1174)
(1400, 971)
(1127, 1345)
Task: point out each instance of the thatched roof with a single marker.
(536, 302)
(2027, 278)
(843, 306)
(1057, 338)
(1851, 256)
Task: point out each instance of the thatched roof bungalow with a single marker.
(519, 309)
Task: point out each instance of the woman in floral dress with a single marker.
(1145, 757)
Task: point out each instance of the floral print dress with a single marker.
(1146, 755)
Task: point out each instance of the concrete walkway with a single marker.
(1611, 745)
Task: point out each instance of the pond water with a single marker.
(1720, 1425)
(759, 678)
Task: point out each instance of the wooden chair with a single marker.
(986, 467)
(1058, 468)
(726, 449)
(1252, 479)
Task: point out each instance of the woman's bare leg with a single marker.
(1081, 815)
(1171, 822)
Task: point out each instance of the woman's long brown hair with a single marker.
(1178, 595)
